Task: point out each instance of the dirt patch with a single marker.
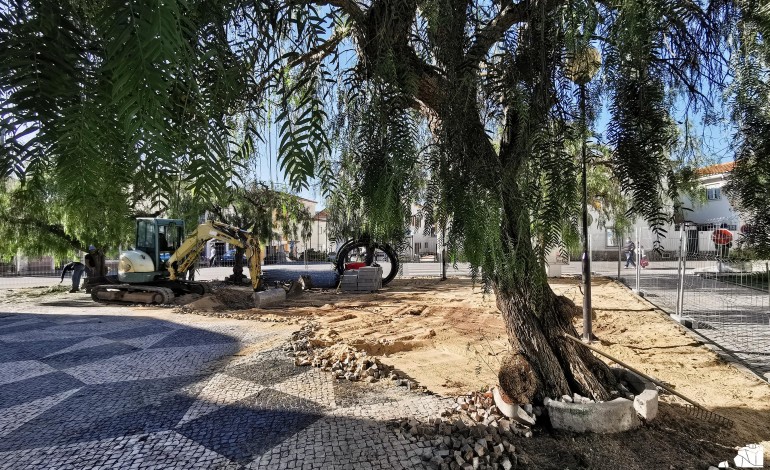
(33, 293)
(220, 299)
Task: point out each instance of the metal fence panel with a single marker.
(700, 279)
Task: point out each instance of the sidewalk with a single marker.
(152, 389)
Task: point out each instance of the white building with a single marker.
(702, 216)
(422, 242)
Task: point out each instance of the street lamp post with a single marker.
(581, 68)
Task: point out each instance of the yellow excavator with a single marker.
(154, 271)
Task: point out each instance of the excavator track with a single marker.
(132, 294)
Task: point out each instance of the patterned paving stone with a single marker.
(312, 384)
(89, 342)
(161, 450)
(105, 411)
(267, 369)
(14, 417)
(10, 352)
(219, 391)
(145, 342)
(190, 337)
(27, 390)
(151, 364)
(343, 443)
(137, 392)
(87, 355)
(13, 330)
(139, 332)
(251, 426)
(38, 348)
(16, 320)
(20, 370)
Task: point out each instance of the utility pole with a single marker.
(581, 68)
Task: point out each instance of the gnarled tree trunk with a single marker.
(544, 362)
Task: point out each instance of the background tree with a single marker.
(36, 220)
(265, 212)
(487, 79)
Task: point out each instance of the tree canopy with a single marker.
(476, 98)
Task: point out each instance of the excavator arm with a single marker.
(190, 250)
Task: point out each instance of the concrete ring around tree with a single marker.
(613, 416)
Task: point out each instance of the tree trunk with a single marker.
(544, 362)
(96, 264)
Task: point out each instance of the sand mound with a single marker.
(223, 298)
(207, 303)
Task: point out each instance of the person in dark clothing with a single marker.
(630, 249)
(77, 269)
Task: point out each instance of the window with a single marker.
(611, 238)
(714, 194)
(145, 237)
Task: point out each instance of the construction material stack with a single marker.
(365, 279)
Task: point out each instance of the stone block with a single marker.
(296, 289)
(613, 416)
(267, 298)
(646, 404)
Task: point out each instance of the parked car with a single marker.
(229, 257)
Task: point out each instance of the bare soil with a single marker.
(449, 337)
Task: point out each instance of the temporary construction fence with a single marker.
(702, 279)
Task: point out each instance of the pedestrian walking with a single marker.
(630, 249)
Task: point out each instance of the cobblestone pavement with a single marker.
(174, 391)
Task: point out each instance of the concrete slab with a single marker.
(269, 298)
(613, 416)
(646, 404)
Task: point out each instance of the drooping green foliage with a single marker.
(36, 220)
(131, 92)
(749, 184)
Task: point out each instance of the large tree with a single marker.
(144, 89)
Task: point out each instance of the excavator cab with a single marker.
(159, 238)
(156, 241)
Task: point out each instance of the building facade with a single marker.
(709, 211)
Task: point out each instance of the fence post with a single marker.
(767, 273)
(619, 241)
(638, 258)
(680, 272)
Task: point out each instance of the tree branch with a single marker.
(349, 7)
(53, 229)
(492, 33)
(315, 54)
